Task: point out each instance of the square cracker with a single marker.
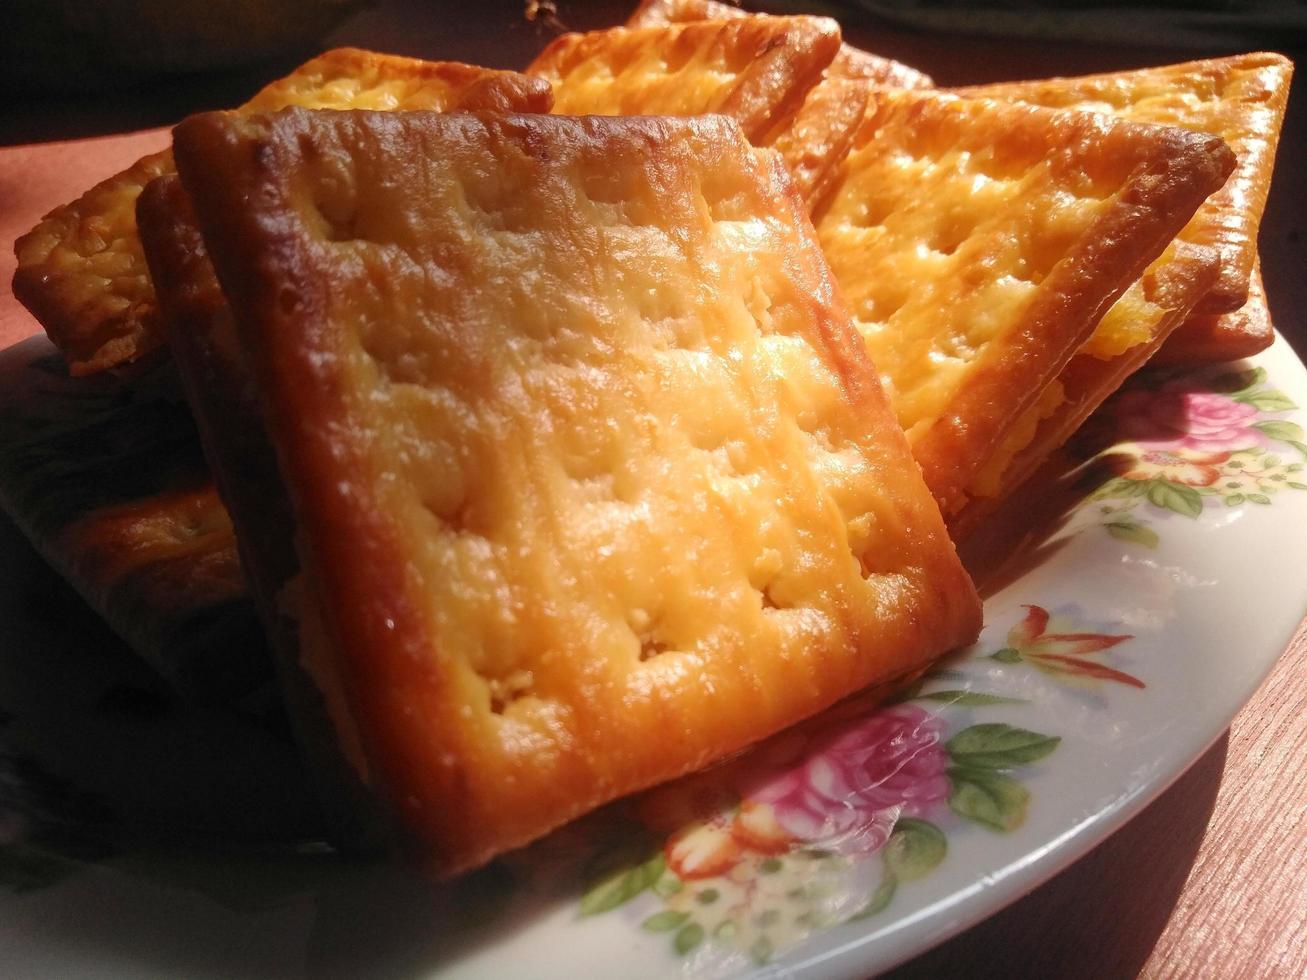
(816, 138)
(757, 70)
(1240, 98)
(1127, 337)
(636, 505)
(978, 243)
(1207, 338)
(81, 271)
(851, 62)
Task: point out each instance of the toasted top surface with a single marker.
(81, 271)
(1240, 98)
(594, 482)
(849, 63)
(754, 69)
(978, 243)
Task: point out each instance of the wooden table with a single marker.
(1211, 879)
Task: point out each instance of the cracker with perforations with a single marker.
(850, 62)
(815, 139)
(757, 70)
(81, 271)
(979, 243)
(594, 483)
(1240, 98)
(1207, 338)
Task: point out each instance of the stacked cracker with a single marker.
(580, 444)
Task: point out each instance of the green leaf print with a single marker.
(993, 800)
(621, 885)
(914, 849)
(1133, 532)
(998, 746)
(1175, 497)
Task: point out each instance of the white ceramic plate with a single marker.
(1119, 647)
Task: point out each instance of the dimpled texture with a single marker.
(816, 138)
(81, 270)
(978, 243)
(756, 70)
(1240, 98)
(594, 482)
(850, 62)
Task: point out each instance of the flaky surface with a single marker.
(594, 483)
(81, 271)
(978, 243)
(1240, 98)
(756, 70)
(1208, 338)
(820, 135)
(1154, 307)
(814, 139)
(850, 62)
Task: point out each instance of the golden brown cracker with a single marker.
(757, 70)
(978, 243)
(1208, 338)
(851, 62)
(81, 271)
(648, 484)
(1239, 98)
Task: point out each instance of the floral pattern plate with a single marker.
(1130, 626)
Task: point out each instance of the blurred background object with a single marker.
(1173, 23)
(79, 46)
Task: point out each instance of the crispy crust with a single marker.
(81, 271)
(1034, 221)
(849, 63)
(757, 70)
(593, 197)
(105, 477)
(1240, 98)
(1175, 284)
(820, 135)
(1207, 338)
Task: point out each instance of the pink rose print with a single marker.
(1181, 416)
(853, 783)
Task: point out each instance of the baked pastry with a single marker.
(593, 483)
(757, 70)
(850, 62)
(81, 272)
(814, 139)
(104, 475)
(1206, 338)
(1131, 333)
(978, 244)
(1240, 98)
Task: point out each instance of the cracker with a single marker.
(816, 138)
(81, 271)
(850, 62)
(1240, 98)
(1153, 308)
(105, 477)
(757, 70)
(978, 243)
(634, 507)
(1208, 338)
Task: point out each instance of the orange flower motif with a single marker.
(702, 850)
(1181, 465)
(1061, 653)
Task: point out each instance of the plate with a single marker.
(1133, 604)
